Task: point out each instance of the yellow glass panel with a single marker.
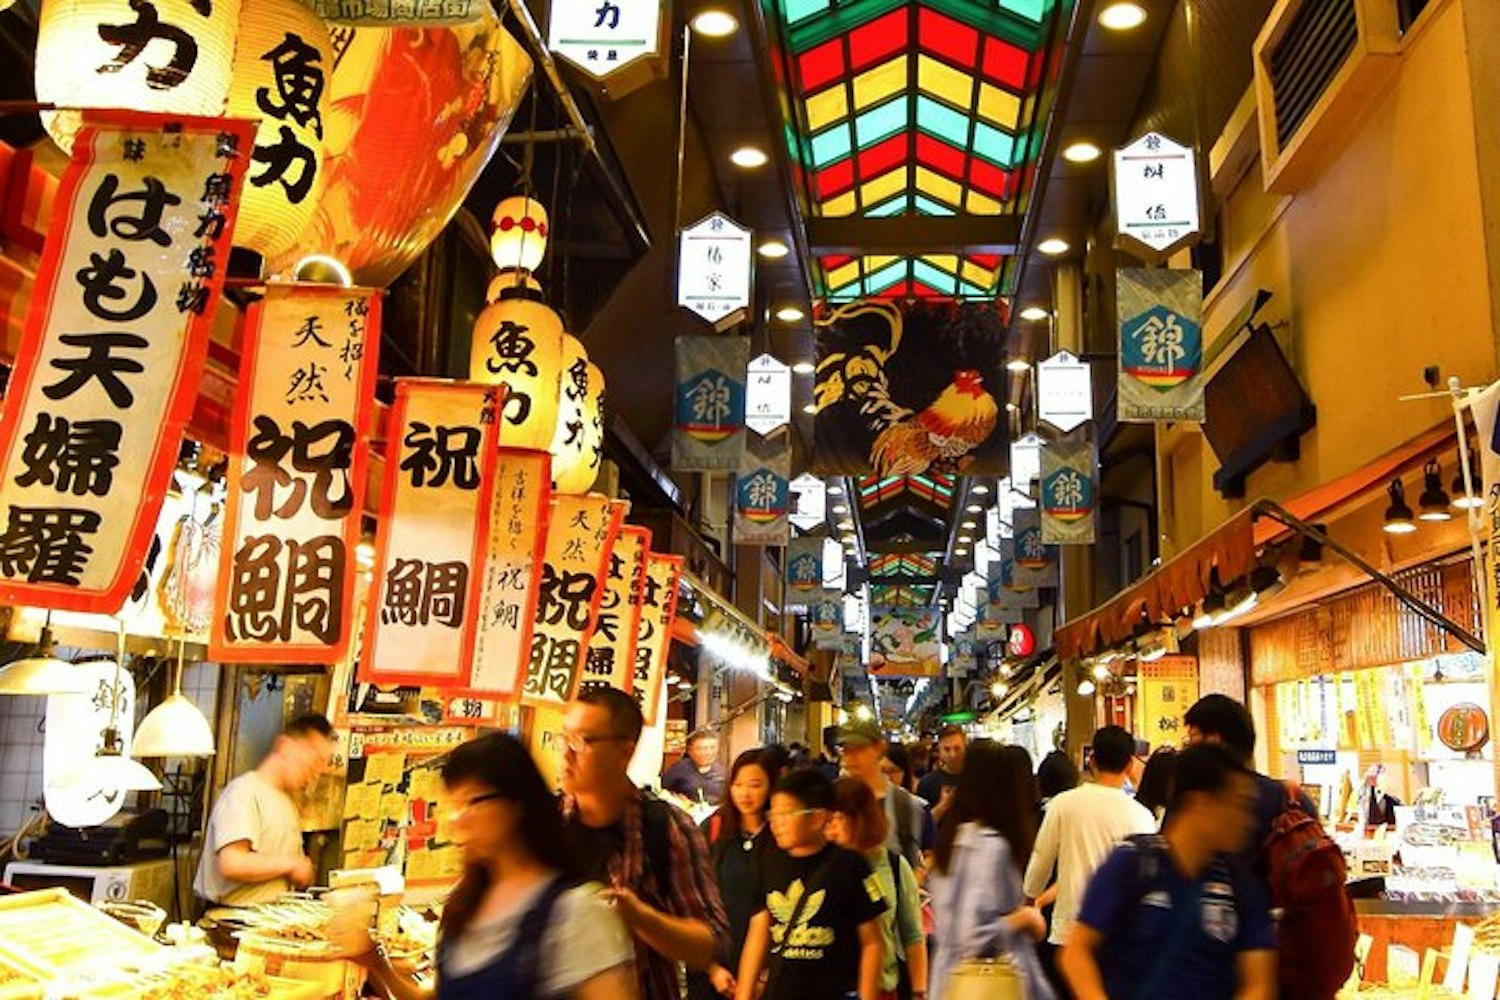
(944, 261)
(827, 107)
(875, 262)
(841, 276)
(844, 204)
(875, 85)
(883, 187)
(976, 275)
(939, 187)
(978, 204)
(941, 80)
(999, 106)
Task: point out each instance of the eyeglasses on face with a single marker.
(580, 742)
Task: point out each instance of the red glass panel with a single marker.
(989, 179)
(944, 36)
(922, 291)
(882, 156)
(821, 65)
(988, 261)
(835, 179)
(1006, 64)
(834, 262)
(940, 156)
(881, 38)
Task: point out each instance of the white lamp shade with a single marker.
(518, 237)
(110, 772)
(518, 341)
(42, 675)
(175, 728)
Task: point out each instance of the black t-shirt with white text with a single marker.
(818, 959)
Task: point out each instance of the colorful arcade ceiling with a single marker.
(912, 108)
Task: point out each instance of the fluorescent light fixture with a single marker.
(804, 368)
(969, 525)
(1054, 246)
(773, 249)
(840, 508)
(749, 157)
(1034, 313)
(845, 525)
(790, 314)
(1082, 152)
(1122, 16)
(715, 24)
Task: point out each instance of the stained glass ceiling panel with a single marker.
(903, 565)
(935, 489)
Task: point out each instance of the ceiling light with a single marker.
(715, 24)
(840, 509)
(176, 727)
(1018, 365)
(749, 157)
(1054, 246)
(773, 249)
(810, 408)
(998, 689)
(969, 525)
(1101, 672)
(966, 539)
(1034, 313)
(43, 673)
(960, 552)
(790, 314)
(979, 489)
(1085, 688)
(845, 525)
(1398, 516)
(1122, 16)
(804, 368)
(835, 490)
(975, 508)
(1082, 152)
(1434, 502)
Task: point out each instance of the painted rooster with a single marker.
(944, 434)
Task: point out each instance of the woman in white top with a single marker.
(982, 848)
(517, 925)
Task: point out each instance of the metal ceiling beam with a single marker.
(908, 237)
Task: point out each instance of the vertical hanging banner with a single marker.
(715, 268)
(804, 565)
(761, 496)
(514, 552)
(826, 618)
(768, 395)
(611, 657)
(1160, 315)
(1025, 461)
(905, 642)
(1034, 561)
(297, 476)
(654, 636)
(809, 502)
(430, 548)
(580, 536)
(1068, 494)
(709, 435)
(116, 338)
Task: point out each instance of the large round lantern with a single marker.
(518, 234)
(518, 340)
(414, 114)
(170, 56)
(572, 471)
(281, 68)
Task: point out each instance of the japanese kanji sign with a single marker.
(804, 565)
(809, 502)
(1025, 461)
(512, 572)
(1161, 345)
(654, 637)
(602, 37)
(761, 497)
(710, 408)
(297, 476)
(390, 13)
(714, 266)
(1155, 184)
(430, 549)
(768, 396)
(116, 339)
(1168, 688)
(611, 656)
(1035, 561)
(580, 539)
(825, 616)
(1068, 492)
(1064, 391)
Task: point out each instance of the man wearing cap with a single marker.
(910, 827)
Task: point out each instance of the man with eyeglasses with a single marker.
(647, 853)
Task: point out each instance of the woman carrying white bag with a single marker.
(985, 936)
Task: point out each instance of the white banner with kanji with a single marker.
(654, 637)
(611, 656)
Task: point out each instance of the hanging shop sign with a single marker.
(1025, 463)
(714, 267)
(1035, 560)
(710, 409)
(1004, 590)
(430, 547)
(297, 461)
(654, 636)
(1064, 391)
(578, 440)
(825, 616)
(768, 395)
(1155, 187)
(1167, 689)
(835, 565)
(1068, 491)
(391, 13)
(605, 37)
(1160, 316)
(1464, 728)
(761, 496)
(809, 502)
(514, 550)
(906, 394)
(518, 341)
(115, 341)
(1021, 643)
(580, 538)
(73, 788)
(905, 642)
(804, 565)
(611, 657)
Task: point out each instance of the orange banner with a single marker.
(654, 638)
(297, 476)
(116, 340)
(611, 656)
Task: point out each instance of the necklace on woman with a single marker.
(747, 837)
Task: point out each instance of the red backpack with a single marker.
(1306, 873)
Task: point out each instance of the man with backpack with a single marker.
(648, 854)
(911, 827)
(1178, 914)
(1300, 865)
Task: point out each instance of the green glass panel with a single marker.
(830, 145)
(796, 10)
(926, 206)
(1032, 10)
(933, 277)
(885, 277)
(994, 145)
(880, 123)
(942, 121)
(893, 207)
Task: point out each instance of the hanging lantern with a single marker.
(509, 279)
(518, 341)
(518, 237)
(593, 426)
(172, 56)
(281, 68)
(571, 472)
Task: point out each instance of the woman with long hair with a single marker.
(738, 835)
(518, 924)
(897, 767)
(1156, 781)
(982, 847)
(1054, 775)
(858, 822)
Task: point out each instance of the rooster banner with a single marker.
(762, 498)
(709, 435)
(1161, 345)
(905, 642)
(1068, 492)
(909, 393)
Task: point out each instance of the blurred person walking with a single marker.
(937, 785)
(911, 828)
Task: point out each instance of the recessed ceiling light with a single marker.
(1122, 16)
(960, 552)
(811, 408)
(789, 314)
(1082, 152)
(835, 490)
(840, 509)
(846, 525)
(1034, 313)
(979, 489)
(715, 23)
(773, 249)
(804, 368)
(1018, 365)
(966, 539)
(1054, 246)
(975, 508)
(749, 157)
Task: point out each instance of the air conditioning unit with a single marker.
(1320, 65)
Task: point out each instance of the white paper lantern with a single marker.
(518, 238)
(571, 472)
(518, 341)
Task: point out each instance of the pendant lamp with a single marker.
(112, 767)
(176, 727)
(43, 673)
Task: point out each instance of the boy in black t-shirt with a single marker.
(818, 929)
